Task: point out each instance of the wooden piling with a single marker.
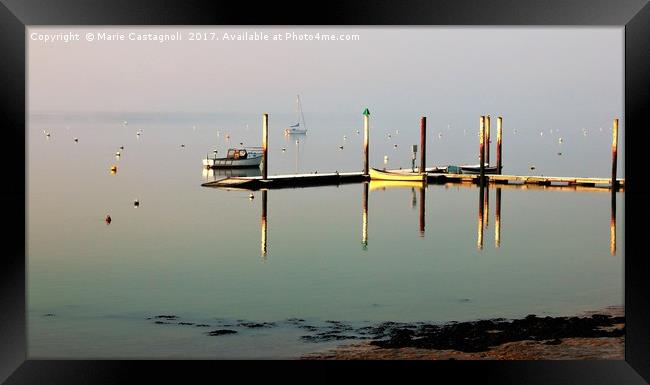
(366, 134)
(422, 210)
(264, 224)
(482, 149)
(265, 142)
(423, 144)
(364, 216)
(487, 139)
(497, 220)
(614, 151)
(499, 133)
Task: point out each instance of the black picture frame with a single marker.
(15, 15)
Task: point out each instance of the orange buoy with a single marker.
(113, 169)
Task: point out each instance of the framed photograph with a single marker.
(452, 186)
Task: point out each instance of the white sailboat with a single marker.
(296, 128)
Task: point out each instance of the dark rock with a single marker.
(202, 325)
(186, 323)
(49, 315)
(256, 325)
(163, 316)
(221, 332)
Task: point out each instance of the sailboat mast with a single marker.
(301, 115)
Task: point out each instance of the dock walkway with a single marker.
(336, 178)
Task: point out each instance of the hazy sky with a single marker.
(417, 70)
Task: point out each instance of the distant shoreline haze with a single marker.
(542, 73)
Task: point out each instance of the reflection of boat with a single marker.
(296, 129)
(379, 184)
(472, 169)
(236, 157)
(230, 172)
(396, 176)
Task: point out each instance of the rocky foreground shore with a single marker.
(597, 335)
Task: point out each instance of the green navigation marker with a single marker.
(366, 112)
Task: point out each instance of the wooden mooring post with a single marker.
(487, 139)
(499, 154)
(423, 144)
(265, 144)
(614, 151)
(366, 138)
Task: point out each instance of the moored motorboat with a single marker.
(476, 169)
(236, 158)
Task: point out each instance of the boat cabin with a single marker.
(235, 153)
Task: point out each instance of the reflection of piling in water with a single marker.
(264, 224)
(614, 151)
(497, 221)
(481, 141)
(486, 207)
(423, 143)
(479, 228)
(364, 220)
(422, 209)
(612, 225)
(414, 200)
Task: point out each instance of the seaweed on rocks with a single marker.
(478, 336)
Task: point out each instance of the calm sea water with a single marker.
(197, 252)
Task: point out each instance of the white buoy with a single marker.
(385, 159)
(76, 140)
(251, 196)
(559, 140)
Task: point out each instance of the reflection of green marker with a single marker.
(366, 128)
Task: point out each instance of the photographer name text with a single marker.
(71, 37)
